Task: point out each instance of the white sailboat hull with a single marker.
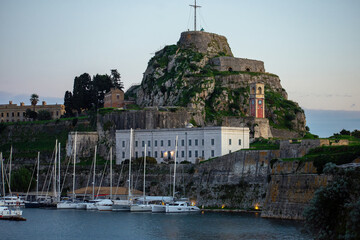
(158, 208)
(66, 205)
(140, 208)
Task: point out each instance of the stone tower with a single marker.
(257, 100)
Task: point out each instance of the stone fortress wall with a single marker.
(237, 64)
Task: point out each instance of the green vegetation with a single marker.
(334, 212)
(338, 155)
(284, 110)
(264, 144)
(20, 180)
(27, 138)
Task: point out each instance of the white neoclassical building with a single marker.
(193, 143)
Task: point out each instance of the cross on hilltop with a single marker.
(195, 7)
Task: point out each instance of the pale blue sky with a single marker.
(313, 45)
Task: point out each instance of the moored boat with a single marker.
(104, 205)
(181, 206)
(9, 214)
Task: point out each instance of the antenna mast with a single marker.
(195, 7)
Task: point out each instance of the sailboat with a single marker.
(10, 200)
(106, 204)
(179, 206)
(144, 206)
(124, 205)
(70, 204)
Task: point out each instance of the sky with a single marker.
(312, 45)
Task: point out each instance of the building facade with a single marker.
(193, 143)
(257, 100)
(14, 113)
(114, 98)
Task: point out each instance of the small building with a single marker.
(14, 113)
(194, 144)
(114, 98)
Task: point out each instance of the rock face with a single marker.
(201, 74)
(207, 43)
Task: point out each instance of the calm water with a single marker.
(78, 224)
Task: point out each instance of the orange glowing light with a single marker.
(256, 206)
(223, 206)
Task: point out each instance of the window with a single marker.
(156, 154)
(203, 155)
(212, 153)
(57, 113)
(123, 144)
(212, 142)
(182, 154)
(189, 154)
(123, 154)
(196, 153)
(169, 143)
(13, 114)
(136, 143)
(23, 114)
(136, 155)
(149, 153)
(7, 114)
(117, 96)
(196, 142)
(229, 151)
(161, 154)
(2, 114)
(229, 141)
(182, 142)
(143, 143)
(155, 143)
(177, 154)
(18, 114)
(149, 144)
(202, 142)
(239, 141)
(189, 142)
(142, 154)
(162, 143)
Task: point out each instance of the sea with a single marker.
(84, 225)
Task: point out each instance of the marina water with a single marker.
(81, 225)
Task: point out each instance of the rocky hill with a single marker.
(200, 73)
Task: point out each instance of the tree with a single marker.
(30, 114)
(334, 212)
(82, 93)
(355, 133)
(344, 132)
(102, 84)
(68, 102)
(44, 115)
(34, 99)
(116, 79)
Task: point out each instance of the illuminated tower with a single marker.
(257, 100)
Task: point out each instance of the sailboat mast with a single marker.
(144, 173)
(111, 172)
(93, 183)
(11, 150)
(59, 191)
(2, 173)
(176, 143)
(37, 176)
(55, 166)
(129, 187)
(74, 166)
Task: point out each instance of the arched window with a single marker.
(230, 69)
(248, 69)
(259, 90)
(253, 90)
